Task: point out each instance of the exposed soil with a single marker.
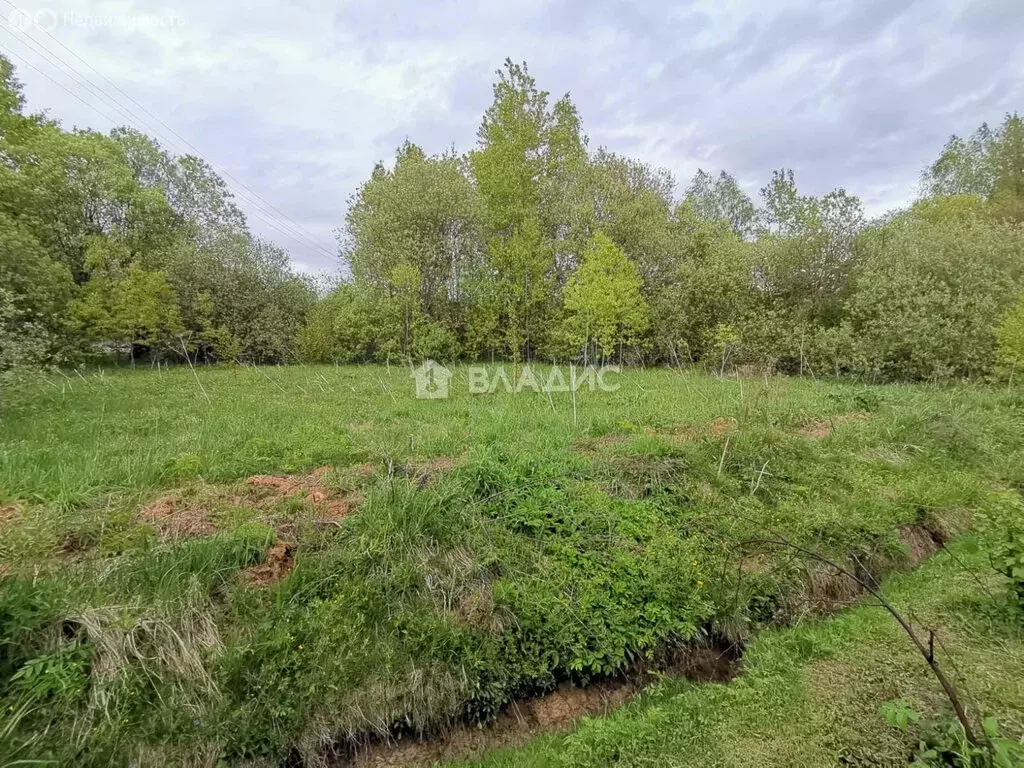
(329, 503)
(557, 711)
(9, 514)
(920, 541)
(827, 590)
(721, 427)
(519, 724)
(818, 429)
(173, 518)
(715, 663)
(279, 563)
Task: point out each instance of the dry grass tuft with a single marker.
(173, 518)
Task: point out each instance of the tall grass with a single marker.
(557, 542)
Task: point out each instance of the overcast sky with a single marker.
(295, 101)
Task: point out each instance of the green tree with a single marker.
(706, 284)
(528, 167)
(133, 307)
(414, 234)
(927, 296)
(1007, 196)
(721, 199)
(632, 204)
(605, 309)
(963, 168)
(989, 164)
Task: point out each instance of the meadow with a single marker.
(293, 565)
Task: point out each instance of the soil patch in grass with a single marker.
(921, 542)
(9, 514)
(518, 725)
(175, 518)
(819, 429)
(329, 503)
(279, 564)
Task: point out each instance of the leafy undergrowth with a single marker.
(157, 606)
(813, 694)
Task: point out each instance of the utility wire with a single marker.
(288, 227)
(262, 207)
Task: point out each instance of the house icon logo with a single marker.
(431, 381)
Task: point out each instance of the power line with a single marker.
(286, 227)
(63, 88)
(263, 208)
(124, 115)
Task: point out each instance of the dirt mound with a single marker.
(567, 705)
(279, 563)
(173, 518)
(330, 503)
(721, 427)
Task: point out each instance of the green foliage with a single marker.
(413, 235)
(989, 165)
(1001, 528)
(1010, 336)
(721, 199)
(108, 241)
(944, 743)
(928, 296)
(111, 243)
(557, 550)
(604, 306)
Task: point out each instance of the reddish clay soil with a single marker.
(173, 518)
(721, 427)
(279, 563)
(330, 503)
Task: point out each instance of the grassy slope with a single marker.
(579, 547)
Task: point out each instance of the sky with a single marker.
(294, 102)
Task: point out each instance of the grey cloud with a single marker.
(299, 100)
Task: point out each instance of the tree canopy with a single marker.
(531, 245)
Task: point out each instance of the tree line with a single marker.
(531, 246)
(111, 246)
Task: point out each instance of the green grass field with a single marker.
(262, 566)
